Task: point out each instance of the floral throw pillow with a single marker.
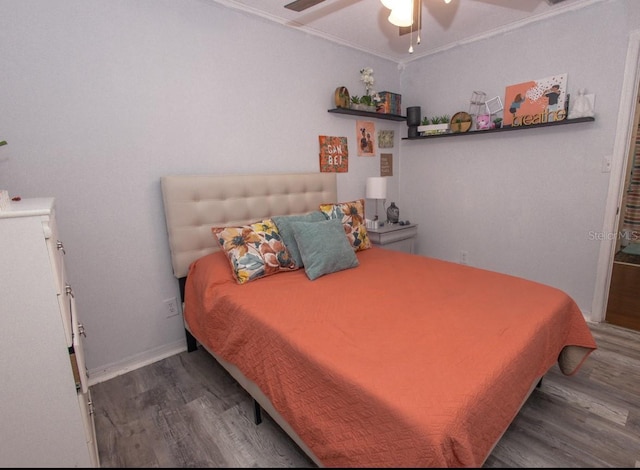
(352, 216)
(254, 251)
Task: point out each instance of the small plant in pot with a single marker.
(434, 125)
(363, 103)
(497, 123)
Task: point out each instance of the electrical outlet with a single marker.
(171, 307)
(464, 257)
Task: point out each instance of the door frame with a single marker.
(619, 160)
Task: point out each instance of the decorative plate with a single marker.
(343, 100)
(460, 122)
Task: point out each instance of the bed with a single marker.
(396, 360)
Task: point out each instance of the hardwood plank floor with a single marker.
(186, 411)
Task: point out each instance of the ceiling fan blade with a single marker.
(300, 5)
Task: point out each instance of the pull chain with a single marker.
(411, 38)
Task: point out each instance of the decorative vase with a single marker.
(393, 213)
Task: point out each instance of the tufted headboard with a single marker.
(195, 203)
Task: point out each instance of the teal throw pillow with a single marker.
(324, 247)
(283, 222)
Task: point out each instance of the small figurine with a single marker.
(483, 121)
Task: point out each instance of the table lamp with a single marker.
(376, 189)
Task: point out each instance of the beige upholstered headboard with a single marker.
(195, 203)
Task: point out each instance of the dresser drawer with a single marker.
(61, 284)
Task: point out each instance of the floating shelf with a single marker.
(354, 112)
(502, 129)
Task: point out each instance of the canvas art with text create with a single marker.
(536, 101)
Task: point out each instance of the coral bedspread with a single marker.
(403, 361)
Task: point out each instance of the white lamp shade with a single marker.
(402, 13)
(376, 187)
(389, 3)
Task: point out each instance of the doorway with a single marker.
(623, 304)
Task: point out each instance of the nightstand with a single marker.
(394, 236)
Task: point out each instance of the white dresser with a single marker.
(46, 415)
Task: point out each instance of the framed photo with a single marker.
(536, 101)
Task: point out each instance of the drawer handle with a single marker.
(68, 290)
(60, 247)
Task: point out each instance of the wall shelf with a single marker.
(353, 112)
(502, 129)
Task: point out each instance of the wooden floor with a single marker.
(186, 411)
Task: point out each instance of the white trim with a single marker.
(626, 114)
(132, 363)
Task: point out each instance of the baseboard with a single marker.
(135, 362)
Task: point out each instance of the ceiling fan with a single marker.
(411, 25)
(301, 5)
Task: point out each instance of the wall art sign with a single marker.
(386, 164)
(536, 101)
(334, 154)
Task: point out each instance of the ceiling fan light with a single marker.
(402, 13)
(398, 20)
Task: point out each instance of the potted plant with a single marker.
(434, 125)
(363, 103)
(497, 123)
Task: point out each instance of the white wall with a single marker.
(522, 202)
(100, 98)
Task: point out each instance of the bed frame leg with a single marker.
(257, 412)
(192, 344)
